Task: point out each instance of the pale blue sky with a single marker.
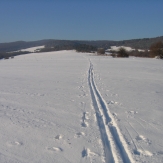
(30, 20)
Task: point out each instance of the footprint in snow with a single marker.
(58, 137)
(142, 138)
(112, 102)
(132, 112)
(84, 118)
(142, 152)
(84, 124)
(14, 143)
(84, 152)
(114, 114)
(160, 153)
(87, 153)
(114, 94)
(79, 134)
(55, 149)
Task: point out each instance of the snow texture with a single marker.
(76, 107)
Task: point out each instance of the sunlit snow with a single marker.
(77, 107)
(33, 49)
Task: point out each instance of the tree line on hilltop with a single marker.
(5, 55)
(144, 43)
(77, 47)
(155, 49)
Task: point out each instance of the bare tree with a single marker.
(122, 53)
(100, 51)
(156, 49)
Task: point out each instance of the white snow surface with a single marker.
(116, 48)
(69, 107)
(33, 49)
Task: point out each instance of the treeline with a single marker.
(18, 45)
(85, 48)
(144, 43)
(77, 47)
(155, 50)
(137, 53)
(5, 55)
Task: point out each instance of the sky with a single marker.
(31, 20)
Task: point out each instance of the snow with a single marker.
(76, 107)
(140, 50)
(33, 49)
(116, 48)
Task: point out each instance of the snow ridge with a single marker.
(115, 147)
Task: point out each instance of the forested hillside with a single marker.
(144, 43)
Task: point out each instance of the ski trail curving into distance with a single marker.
(115, 147)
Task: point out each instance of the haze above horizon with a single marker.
(80, 20)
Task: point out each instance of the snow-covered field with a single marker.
(116, 48)
(68, 107)
(33, 49)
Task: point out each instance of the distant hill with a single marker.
(14, 46)
(144, 43)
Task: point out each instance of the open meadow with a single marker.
(69, 107)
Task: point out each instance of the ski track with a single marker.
(115, 147)
(148, 123)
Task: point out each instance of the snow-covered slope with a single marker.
(33, 49)
(116, 48)
(73, 107)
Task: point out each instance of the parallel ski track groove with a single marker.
(113, 141)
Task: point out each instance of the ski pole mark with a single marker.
(139, 137)
(148, 123)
